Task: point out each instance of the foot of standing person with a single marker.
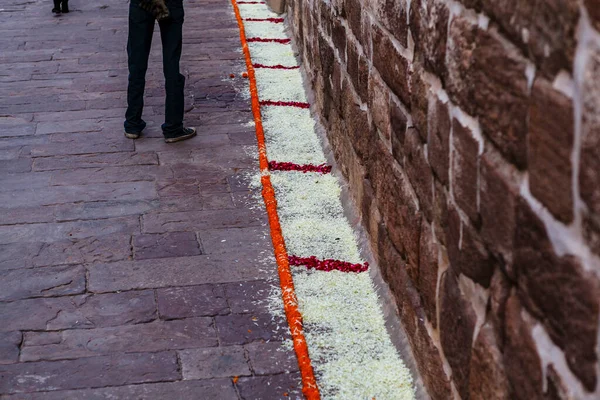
(186, 133)
(64, 6)
(56, 9)
(133, 135)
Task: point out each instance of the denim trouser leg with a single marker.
(172, 37)
(141, 28)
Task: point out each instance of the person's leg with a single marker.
(171, 32)
(56, 8)
(141, 27)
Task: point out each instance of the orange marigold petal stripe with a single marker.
(290, 303)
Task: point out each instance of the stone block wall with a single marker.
(469, 131)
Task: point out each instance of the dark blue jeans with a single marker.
(141, 28)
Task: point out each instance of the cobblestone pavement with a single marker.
(129, 269)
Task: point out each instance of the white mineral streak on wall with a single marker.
(351, 351)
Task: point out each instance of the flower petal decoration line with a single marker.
(327, 265)
(290, 302)
(288, 166)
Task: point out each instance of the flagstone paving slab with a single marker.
(214, 389)
(131, 269)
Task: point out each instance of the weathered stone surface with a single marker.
(283, 386)
(174, 244)
(413, 319)
(51, 232)
(499, 190)
(333, 88)
(218, 389)
(352, 62)
(560, 293)
(9, 347)
(42, 282)
(550, 144)
(27, 215)
(438, 140)
(177, 187)
(440, 212)
(457, 323)
(271, 358)
(419, 171)
(103, 209)
(392, 66)
(217, 362)
(589, 164)
(338, 36)
(419, 103)
(550, 28)
(81, 144)
(364, 72)
(248, 297)
(398, 206)
(594, 12)
(393, 16)
(398, 122)
(326, 56)
(247, 328)
(465, 169)
(500, 290)
(521, 360)
(497, 96)
(180, 271)
(428, 272)
(428, 25)
(487, 379)
(107, 248)
(15, 166)
(191, 301)
(354, 12)
(340, 143)
(251, 240)
(85, 311)
(86, 176)
(199, 220)
(556, 388)
(277, 6)
(466, 251)
(357, 126)
(152, 337)
(379, 104)
(591, 231)
(94, 160)
(121, 369)
(72, 194)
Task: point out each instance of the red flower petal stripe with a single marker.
(278, 66)
(284, 103)
(327, 265)
(273, 20)
(263, 40)
(288, 166)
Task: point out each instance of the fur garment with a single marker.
(158, 8)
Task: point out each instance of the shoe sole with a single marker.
(180, 138)
(132, 135)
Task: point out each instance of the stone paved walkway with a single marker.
(128, 270)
